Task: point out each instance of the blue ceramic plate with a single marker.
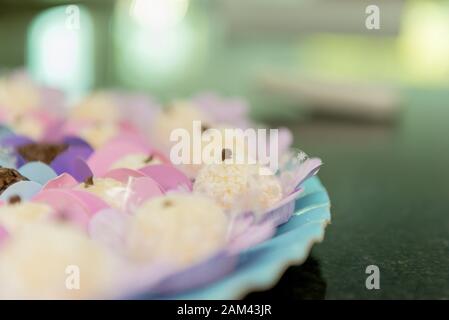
(261, 267)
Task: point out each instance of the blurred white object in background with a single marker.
(159, 14)
(371, 102)
(59, 56)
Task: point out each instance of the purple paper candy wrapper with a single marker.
(196, 276)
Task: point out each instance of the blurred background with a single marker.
(362, 84)
(280, 52)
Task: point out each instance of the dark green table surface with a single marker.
(389, 187)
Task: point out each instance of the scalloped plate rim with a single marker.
(296, 254)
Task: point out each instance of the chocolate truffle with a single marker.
(9, 177)
(44, 152)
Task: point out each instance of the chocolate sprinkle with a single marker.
(149, 159)
(43, 152)
(204, 128)
(14, 199)
(89, 182)
(8, 177)
(226, 154)
(167, 203)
